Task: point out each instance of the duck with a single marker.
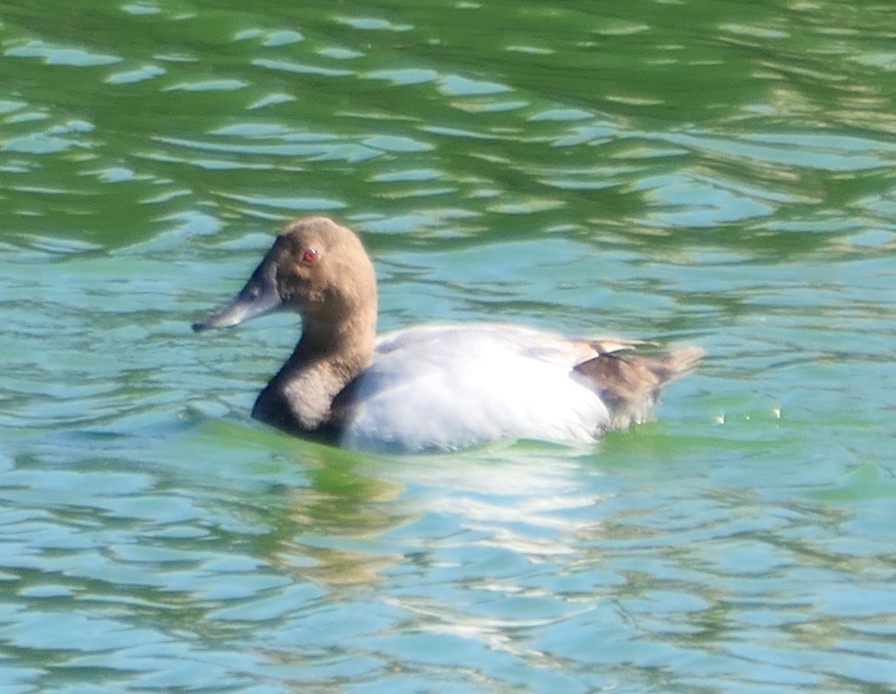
(433, 387)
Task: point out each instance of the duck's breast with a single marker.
(448, 387)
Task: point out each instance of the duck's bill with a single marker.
(258, 297)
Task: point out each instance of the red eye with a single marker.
(309, 255)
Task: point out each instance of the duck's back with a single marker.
(448, 387)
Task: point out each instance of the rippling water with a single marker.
(703, 172)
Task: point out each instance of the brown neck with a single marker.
(345, 346)
(329, 355)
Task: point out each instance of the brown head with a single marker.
(320, 270)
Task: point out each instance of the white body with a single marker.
(448, 387)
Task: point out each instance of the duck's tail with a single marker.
(676, 363)
(630, 384)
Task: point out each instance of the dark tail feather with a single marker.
(629, 384)
(676, 363)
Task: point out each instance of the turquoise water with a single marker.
(712, 173)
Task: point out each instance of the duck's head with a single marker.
(316, 268)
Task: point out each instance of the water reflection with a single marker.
(387, 509)
(331, 528)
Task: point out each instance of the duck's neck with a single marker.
(328, 356)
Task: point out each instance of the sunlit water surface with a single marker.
(715, 173)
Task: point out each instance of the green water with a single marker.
(716, 173)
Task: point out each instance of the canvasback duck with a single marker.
(430, 387)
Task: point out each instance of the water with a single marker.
(714, 173)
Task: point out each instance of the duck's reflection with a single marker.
(362, 517)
